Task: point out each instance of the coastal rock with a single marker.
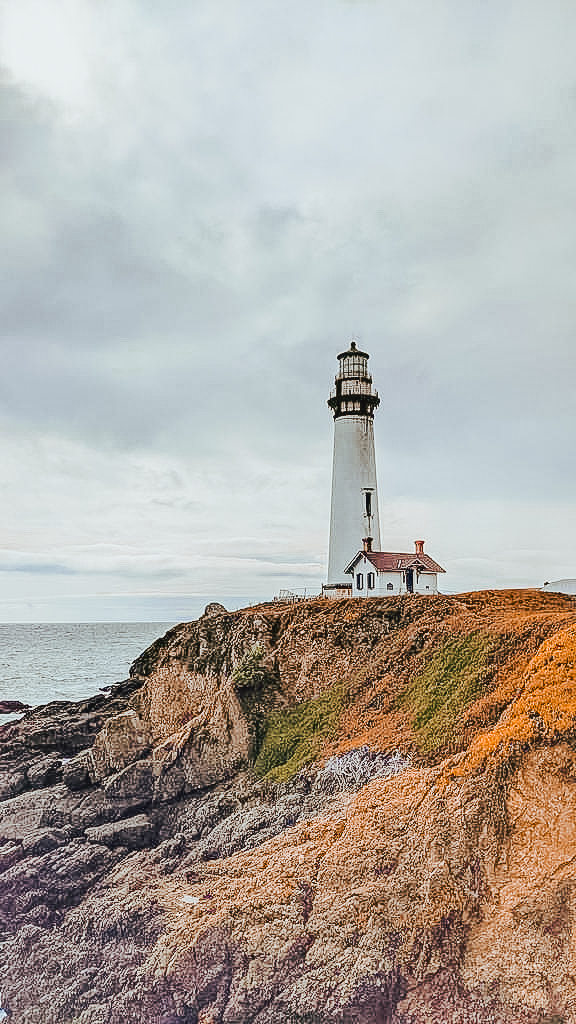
(214, 746)
(45, 772)
(67, 728)
(76, 772)
(35, 809)
(42, 840)
(134, 833)
(54, 880)
(12, 784)
(214, 608)
(59, 730)
(8, 707)
(133, 784)
(124, 739)
(174, 885)
(10, 853)
(97, 807)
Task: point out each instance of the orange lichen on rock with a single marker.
(545, 709)
(334, 877)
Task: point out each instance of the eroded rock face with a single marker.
(123, 739)
(146, 875)
(525, 945)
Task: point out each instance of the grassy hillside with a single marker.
(474, 674)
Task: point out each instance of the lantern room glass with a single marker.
(353, 366)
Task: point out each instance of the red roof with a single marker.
(395, 561)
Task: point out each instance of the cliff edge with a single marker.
(361, 812)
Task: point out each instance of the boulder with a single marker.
(9, 707)
(45, 772)
(43, 840)
(123, 739)
(46, 808)
(134, 783)
(214, 608)
(12, 783)
(10, 853)
(61, 727)
(76, 773)
(134, 833)
(211, 748)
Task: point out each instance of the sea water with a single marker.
(43, 662)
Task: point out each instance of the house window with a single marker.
(370, 580)
(359, 581)
(389, 586)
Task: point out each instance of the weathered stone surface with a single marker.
(430, 896)
(43, 840)
(133, 784)
(76, 772)
(214, 746)
(12, 783)
(10, 853)
(123, 739)
(56, 879)
(135, 833)
(47, 771)
(60, 730)
(8, 707)
(214, 608)
(97, 807)
(45, 808)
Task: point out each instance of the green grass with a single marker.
(293, 737)
(453, 678)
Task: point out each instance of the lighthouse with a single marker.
(354, 512)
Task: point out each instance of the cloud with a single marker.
(199, 209)
(44, 568)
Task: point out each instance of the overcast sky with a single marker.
(202, 202)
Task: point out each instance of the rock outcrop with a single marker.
(359, 812)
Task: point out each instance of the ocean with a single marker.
(43, 661)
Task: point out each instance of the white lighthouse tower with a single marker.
(354, 512)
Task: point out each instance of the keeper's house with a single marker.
(383, 573)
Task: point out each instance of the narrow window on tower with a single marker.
(368, 500)
(359, 581)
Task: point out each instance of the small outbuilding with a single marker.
(384, 573)
(560, 587)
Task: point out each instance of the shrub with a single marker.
(454, 677)
(255, 688)
(293, 736)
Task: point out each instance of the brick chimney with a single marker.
(419, 545)
(367, 543)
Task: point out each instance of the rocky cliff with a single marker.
(356, 811)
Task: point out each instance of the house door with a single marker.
(410, 581)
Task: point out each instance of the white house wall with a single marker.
(427, 582)
(384, 578)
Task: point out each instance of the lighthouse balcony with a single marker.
(353, 387)
(355, 404)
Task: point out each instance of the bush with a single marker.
(293, 737)
(256, 689)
